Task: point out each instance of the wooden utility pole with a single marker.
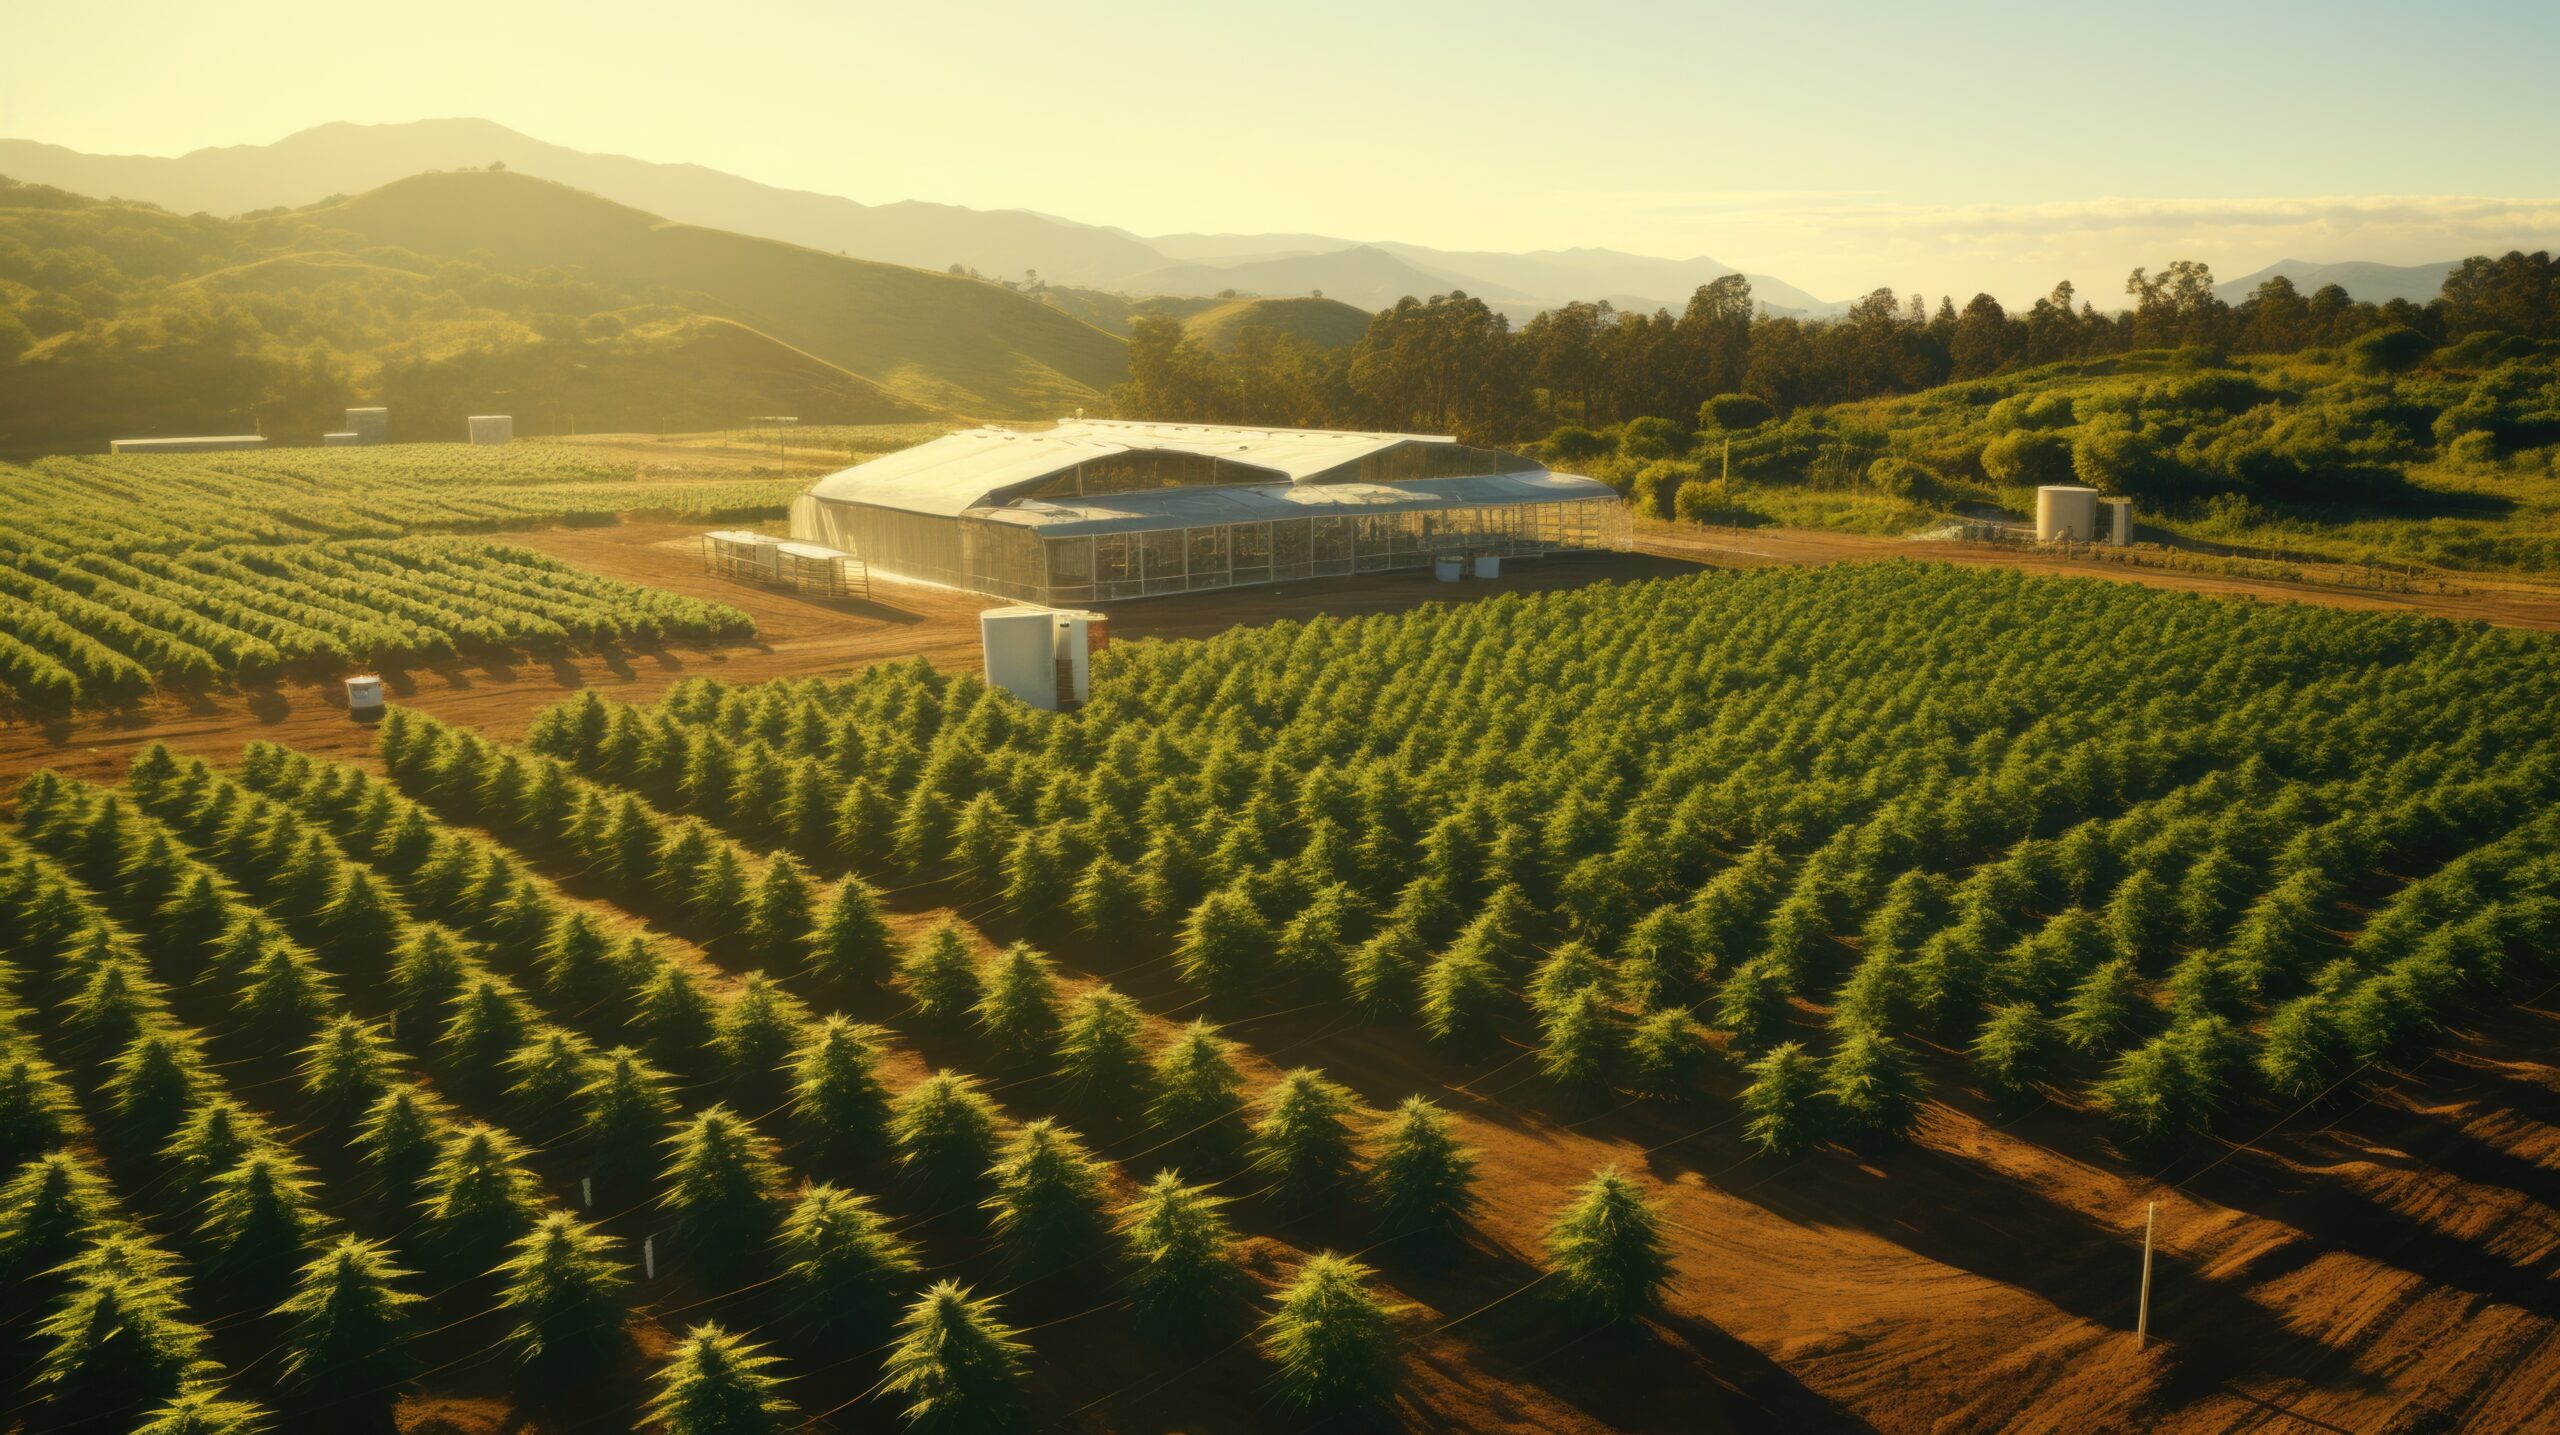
(2142, 1315)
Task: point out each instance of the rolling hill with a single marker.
(1325, 323)
(332, 160)
(939, 340)
(453, 294)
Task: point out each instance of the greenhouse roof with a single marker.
(1160, 508)
(976, 468)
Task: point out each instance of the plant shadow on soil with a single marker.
(1672, 1373)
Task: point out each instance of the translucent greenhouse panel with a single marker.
(1292, 550)
(1070, 570)
(1249, 552)
(1333, 540)
(1207, 550)
(1115, 566)
(1160, 558)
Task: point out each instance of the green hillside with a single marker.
(480, 293)
(1217, 321)
(939, 340)
(1325, 323)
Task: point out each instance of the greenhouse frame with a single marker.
(1094, 511)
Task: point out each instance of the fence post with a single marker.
(2142, 1315)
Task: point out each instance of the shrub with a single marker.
(112, 1349)
(1871, 1085)
(836, 1096)
(348, 1342)
(479, 1198)
(1575, 444)
(1606, 1251)
(563, 1288)
(2103, 1009)
(1098, 1052)
(851, 946)
(2028, 458)
(2392, 349)
(1047, 1206)
(1198, 1098)
(1183, 1278)
(1664, 1051)
(1463, 995)
(1581, 1041)
(1225, 944)
(944, 1129)
(2015, 1048)
(941, 975)
(1652, 437)
(1905, 479)
(716, 1384)
(1332, 1339)
(1017, 1007)
(1781, 1101)
(1735, 413)
(1656, 487)
(842, 1267)
(1422, 1181)
(722, 1184)
(957, 1368)
(1753, 1004)
(1303, 1143)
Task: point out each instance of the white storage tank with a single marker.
(364, 696)
(2066, 513)
(1448, 568)
(348, 439)
(1021, 651)
(1488, 565)
(2119, 525)
(1077, 636)
(369, 425)
(492, 428)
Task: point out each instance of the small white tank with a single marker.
(2119, 525)
(1021, 650)
(364, 695)
(1488, 565)
(2066, 513)
(492, 428)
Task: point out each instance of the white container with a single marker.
(1074, 654)
(2066, 513)
(1021, 653)
(370, 426)
(2119, 524)
(364, 694)
(1447, 570)
(492, 428)
(1488, 565)
(340, 440)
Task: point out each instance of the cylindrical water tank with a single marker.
(2066, 512)
(2119, 525)
(1488, 565)
(1021, 650)
(364, 695)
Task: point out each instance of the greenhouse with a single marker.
(1096, 510)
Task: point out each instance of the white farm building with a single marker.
(1095, 510)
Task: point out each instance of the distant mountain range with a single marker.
(340, 159)
(2369, 282)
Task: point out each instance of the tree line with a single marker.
(1451, 364)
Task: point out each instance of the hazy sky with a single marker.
(1937, 146)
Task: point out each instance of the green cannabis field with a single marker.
(320, 1082)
